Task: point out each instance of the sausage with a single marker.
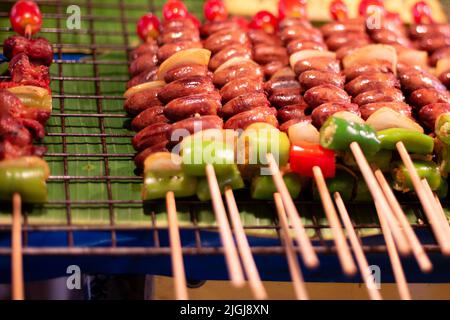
(244, 69)
(285, 82)
(285, 126)
(223, 38)
(293, 21)
(145, 48)
(231, 51)
(185, 71)
(412, 79)
(313, 78)
(140, 101)
(240, 86)
(316, 96)
(177, 23)
(258, 36)
(379, 95)
(325, 64)
(425, 96)
(243, 103)
(344, 51)
(444, 77)
(326, 110)
(38, 50)
(172, 36)
(298, 45)
(429, 113)
(187, 126)
(338, 40)
(439, 54)
(376, 66)
(294, 111)
(142, 63)
(145, 76)
(188, 106)
(165, 51)
(300, 32)
(211, 27)
(371, 81)
(147, 117)
(264, 54)
(386, 36)
(150, 135)
(141, 156)
(425, 30)
(185, 87)
(286, 96)
(434, 42)
(331, 28)
(244, 119)
(272, 67)
(367, 109)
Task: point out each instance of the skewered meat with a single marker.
(38, 50)
(169, 49)
(150, 135)
(247, 69)
(240, 86)
(228, 52)
(426, 30)
(376, 66)
(313, 78)
(143, 100)
(188, 126)
(379, 95)
(371, 81)
(325, 64)
(176, 24)
(176, 35)
(220, 39)
(244, 119)
(434, 42)
(264, 54)
(149, 47)
(439, 54)
(326, 110)
(425, 96)
(143, 63)
(367, 109)
(24, 73)
(185, 71)
(141, 156)
(325, 93)
(294, 111)
(147, 117)
(243, 103)
(300, 32)
(429, 113)
(190, 105)
(185, 87)
(258, 36)
(284, 82)
(413, 79)
(211, 27)
(299, 45)
(285, 96)
(338, 26)
(338, 40)
(144, 76)
(445, 78)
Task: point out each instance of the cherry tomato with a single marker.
(421, 12)
(264, 20)
(215, 10)
(338, 10)
(25, 17)
(365, 6)
(194, 19)
(174, 9)
(292, 9)
(148, 27)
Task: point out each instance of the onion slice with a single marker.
(349, 116)
(442, 66)
(144, 86)
(193, 55)
(370, 53)
(306, 54)
(234, 61)
(33, 97)
(386, 118)
(303, 131)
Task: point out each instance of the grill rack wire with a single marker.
(321, 246)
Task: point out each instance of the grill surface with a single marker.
(93, 187)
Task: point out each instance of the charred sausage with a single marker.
(244, 119)
(313, 78)
(140, 101)
(316, 96)
(240, 86)
(231, 51)
(188, 106)
(185, 71)
(185, 87)
(367, 109)
(429, 113)
(325, 64)
(379, 95)
(147, 117)
(371, 81)
(243, 103)
(326, 110)
(150, 136)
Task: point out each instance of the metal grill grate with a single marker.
(101, 111)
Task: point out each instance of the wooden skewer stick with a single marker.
(363, 265)
(231, 256)
(343, 251)
(396, 264)
(439, 210)
(178, 272)
(294, 267)
(417, 249)
(428, 203)
(16, 254)
(379, 197)
(246, 254)
(309, 256)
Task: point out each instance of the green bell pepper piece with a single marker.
(381, 159)
(343, 182)
(231, 179)
(362, 193)
(415, 142)
(28, 182)
(442, 191)
(156, 187)
(442, 128)
(425, 169)
(263, 187)
(442, 151)
(338, 134)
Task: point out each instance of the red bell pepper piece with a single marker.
(305, 156)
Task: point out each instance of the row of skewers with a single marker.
(277, 84)
(25, 107)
